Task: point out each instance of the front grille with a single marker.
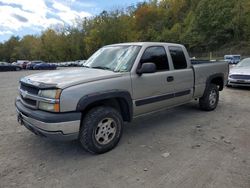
(240, 77)
(29, 89)
(29, 101)
(25, 88)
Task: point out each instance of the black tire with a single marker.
(210, 99)
(92, 126)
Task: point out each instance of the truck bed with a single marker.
(203, 70)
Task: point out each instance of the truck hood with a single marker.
(68, 77)
(240, 70)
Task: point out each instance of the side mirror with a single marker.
(147, 68)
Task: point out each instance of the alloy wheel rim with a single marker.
(105, 131)
(212, 97)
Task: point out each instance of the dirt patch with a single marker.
(180, 147)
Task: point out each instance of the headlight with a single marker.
(50, 94)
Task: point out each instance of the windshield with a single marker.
(228, 58)
(114, 58)
(244, 63)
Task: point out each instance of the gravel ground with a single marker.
(180, 147)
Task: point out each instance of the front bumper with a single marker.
(235, 82)
(56, 126)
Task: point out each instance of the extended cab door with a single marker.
(153, 91)
(182, 73)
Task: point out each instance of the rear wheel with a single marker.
(210, 98)
(101, 130)
(18, 69)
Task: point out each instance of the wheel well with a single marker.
(219, 82)
(119, 104)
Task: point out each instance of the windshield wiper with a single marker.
(103, 68)
(85, 66)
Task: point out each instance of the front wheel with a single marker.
(101, 130)
(210, 99)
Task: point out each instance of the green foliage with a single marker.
(202, 25)
(214, 22)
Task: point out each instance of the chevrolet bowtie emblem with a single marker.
(24, 94)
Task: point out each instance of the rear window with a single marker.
(178, 57)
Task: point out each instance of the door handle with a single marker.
(170, 78)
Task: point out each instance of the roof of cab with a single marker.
(146, 44)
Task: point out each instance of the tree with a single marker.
(213, 22)
(202, 25)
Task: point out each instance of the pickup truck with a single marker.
(117, 84)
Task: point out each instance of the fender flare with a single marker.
(217, 75)
(126, 104)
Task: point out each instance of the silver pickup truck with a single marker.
(117, 83)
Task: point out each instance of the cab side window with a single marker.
(156, 55)
(178, 57)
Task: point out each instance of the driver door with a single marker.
(153, 91)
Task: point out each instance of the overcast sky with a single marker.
(21, 17)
